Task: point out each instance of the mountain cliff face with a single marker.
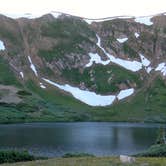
(66, 68)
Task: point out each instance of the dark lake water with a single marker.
(98, 138)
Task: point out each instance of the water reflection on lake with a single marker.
(98, 138)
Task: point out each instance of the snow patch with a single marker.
(125, 93)
(2, 46)
(162, 68)
(136, 34)
(149, 69)
(32, 66)
(144, 20)
(90, 98)
(22, 74)
(145, 61)
(129, 65)
(122, 40)
(42, 86)
(94, 57)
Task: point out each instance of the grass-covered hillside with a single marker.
(93, 161)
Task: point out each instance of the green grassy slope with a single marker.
(53, 105)
(7, 77)
(146, 105)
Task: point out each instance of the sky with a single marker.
(85, 8)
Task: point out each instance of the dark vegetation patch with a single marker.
(129, 51)
(24, 93)
(7, 77)
(102, 79)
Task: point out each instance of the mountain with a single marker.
(59, 67)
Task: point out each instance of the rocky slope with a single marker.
(64, 68)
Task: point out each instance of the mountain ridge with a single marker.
(103, 59)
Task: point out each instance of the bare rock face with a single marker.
(59, 44)
(8, 94)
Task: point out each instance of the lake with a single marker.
(98, 138)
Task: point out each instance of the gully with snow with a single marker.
(21, 74)
(129, 65)
(32, 66)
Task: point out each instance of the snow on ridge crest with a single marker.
(56, 14)
(25, 15)
(33, 15)
(144, 20)
(89, 21)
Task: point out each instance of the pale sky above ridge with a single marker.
(85, 8)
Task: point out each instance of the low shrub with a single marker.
(15, 156)
(23, 93)
(154, 151)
